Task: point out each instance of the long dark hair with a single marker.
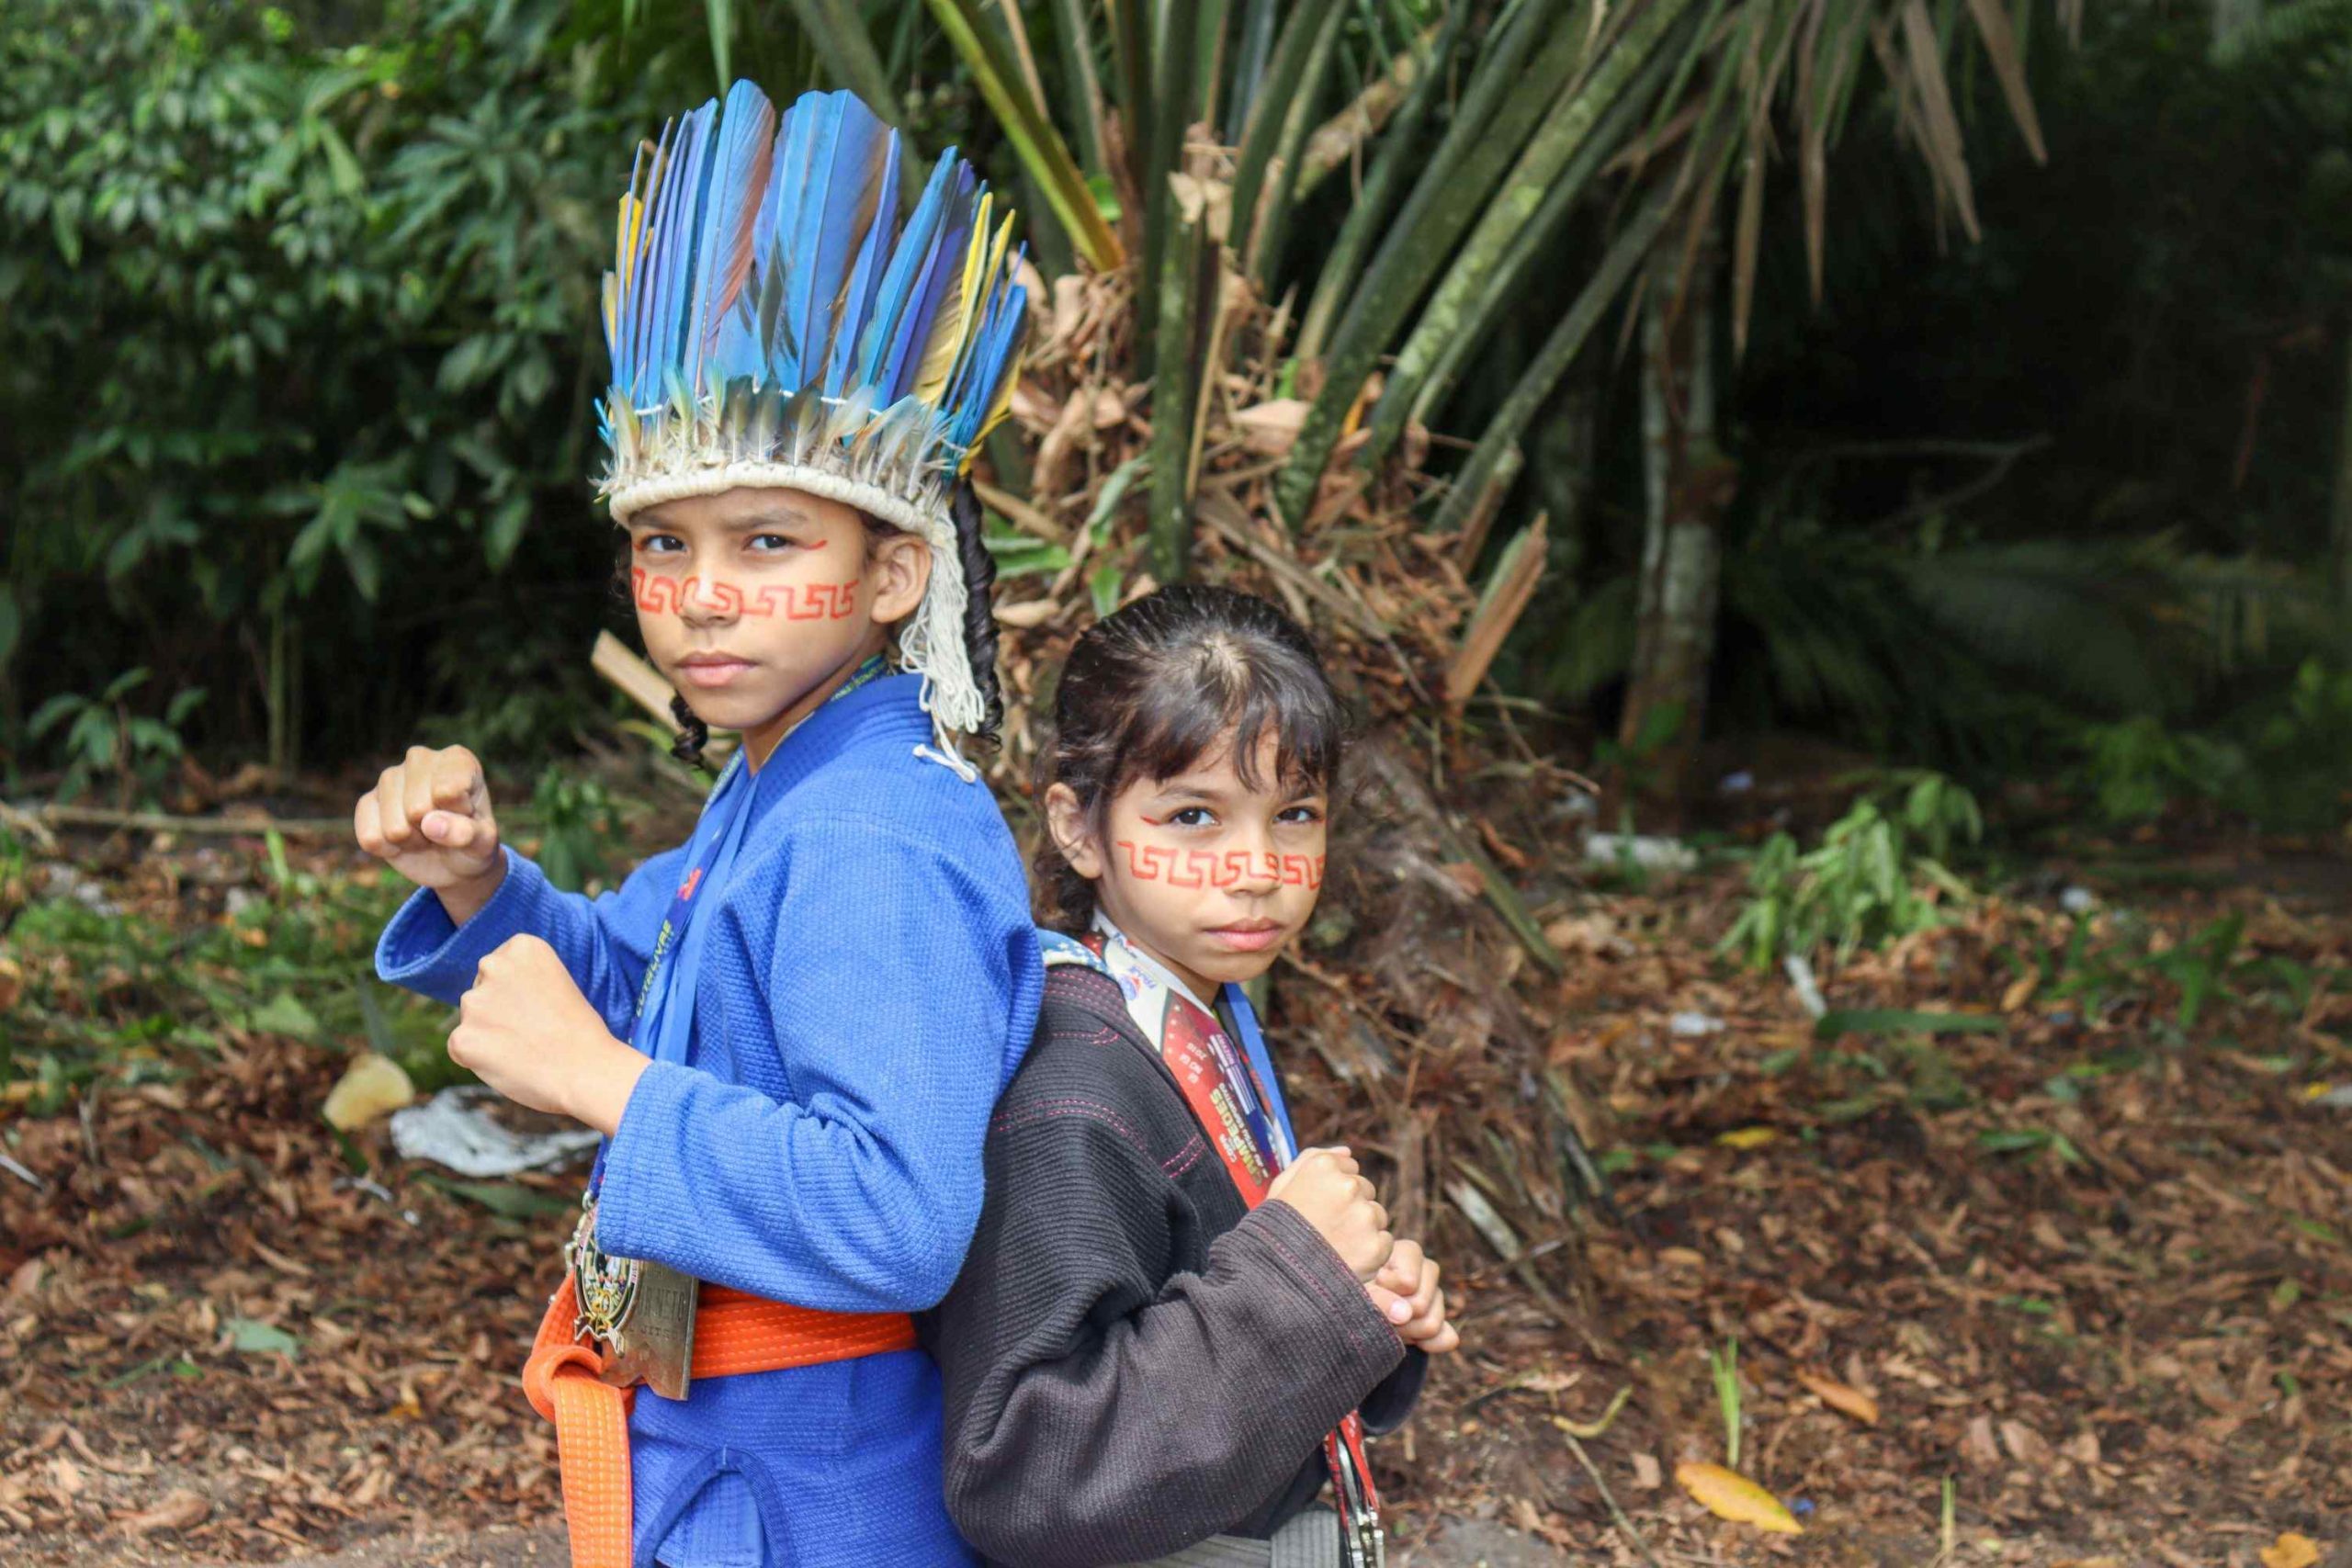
(1150, 690)
(979, 624)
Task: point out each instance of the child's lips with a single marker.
(710, 673)
(1249, 936)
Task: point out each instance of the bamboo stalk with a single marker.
(1552, 361)
(1018, 30)
(637, 681)
(1338, 274)
(1495, 261)
(1279, 197)
(1493, 487)
(1039, 146)
(1170, 528)
(1076, 40)
(1337, 140)
(1416, 245)
(1273, 104)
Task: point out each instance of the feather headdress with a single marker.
(773, 321)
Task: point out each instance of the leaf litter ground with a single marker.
(2091, 1264)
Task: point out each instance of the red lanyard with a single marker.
(1223, 1095)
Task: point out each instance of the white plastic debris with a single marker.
(1647, 851)
(1739, 783)
(2336, 1098)
(1808, 989)
(2076, 901)
(1695, 1025)
(63, 880)
(456, 1128)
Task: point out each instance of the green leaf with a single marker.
(253, 1338)
(1105, 587)
(284, 1014)
(1038, 146)
(507, 1200)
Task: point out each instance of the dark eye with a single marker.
(659, 544)
(1298, 814)
(770, 543)
(1191, 816)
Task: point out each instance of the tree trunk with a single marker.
(1690, 485)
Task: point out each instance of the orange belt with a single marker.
(734, 1332)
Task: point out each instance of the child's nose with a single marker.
(709, 599)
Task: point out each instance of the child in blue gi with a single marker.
(1175, 1326)
(790, 1028)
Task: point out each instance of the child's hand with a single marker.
(428, 818)
(526, 1030)
(1328, 1189)
(1407, 1293)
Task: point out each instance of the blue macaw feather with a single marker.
(879, 335)
(735, 190)
(878, 220)
(942, 268)
(785, 241)
(634, 313)
(766, 303)
(841, 209)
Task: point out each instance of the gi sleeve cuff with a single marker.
(427, 952)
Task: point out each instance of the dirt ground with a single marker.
(2087, 1264)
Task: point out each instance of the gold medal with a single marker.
(641, 1312)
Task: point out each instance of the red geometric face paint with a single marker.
(658, 595)
(1212, 868)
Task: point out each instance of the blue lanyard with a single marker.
(1261, 1064)
(664, 1025)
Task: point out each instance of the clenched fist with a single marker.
(525, 1029)
(429, 819)
(1406, 1291)
(1328, 1190)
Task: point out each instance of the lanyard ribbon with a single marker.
(663, 1023)
(1237, 1099)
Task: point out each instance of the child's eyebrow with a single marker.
(1186, 789)
(781, 518)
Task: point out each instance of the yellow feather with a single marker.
(612, 307)
(998, 407)
(947, 331)
(981, 284)
(630, 225)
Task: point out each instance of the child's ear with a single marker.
(1073, 836)
(899, 570)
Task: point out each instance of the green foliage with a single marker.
(103, 739)
(145, 998)
(2133, 768)
(2120, 959)
(580, 829)
(292, 331)
(1871, 879)
(2283, 761)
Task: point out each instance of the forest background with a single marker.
(1814, 498)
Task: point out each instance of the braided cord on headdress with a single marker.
(773, 321)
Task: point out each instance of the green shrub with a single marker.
(1877, 873)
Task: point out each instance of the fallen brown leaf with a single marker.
(1846, 1401)
(2290, 1551)
(176, 1511)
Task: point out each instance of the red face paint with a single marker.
(1209, 868)
(660, 595)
